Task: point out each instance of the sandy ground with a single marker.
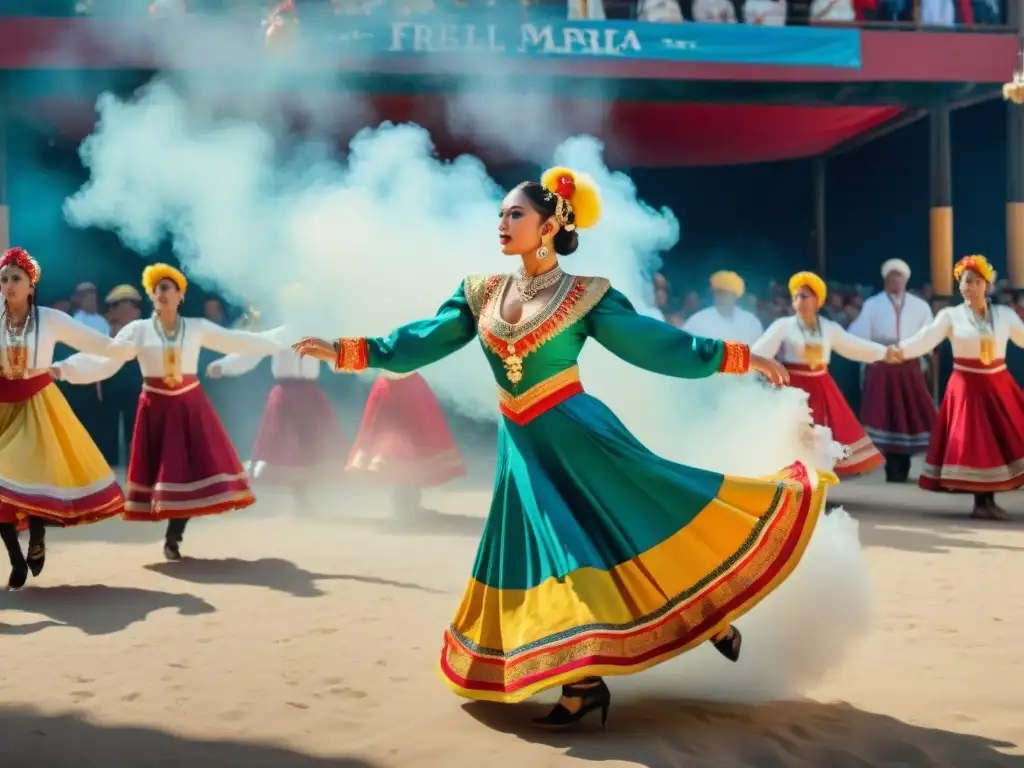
(311, 639)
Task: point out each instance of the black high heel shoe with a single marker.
(595, 696)
(730, 645)
(172, 551)
(36, 558)
(18, 577)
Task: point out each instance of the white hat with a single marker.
(896, 265)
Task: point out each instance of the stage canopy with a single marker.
(512, 128)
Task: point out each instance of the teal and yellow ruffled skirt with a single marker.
(600, 558)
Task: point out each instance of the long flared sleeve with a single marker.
(232, 342)
(84, 339)
(87, 368)
(414, 344)
(771, 340)
(861, 327)
(929, 337)
(236, 365)
(1016, 327)
(241, 364)
(853, 347)
(657, 346)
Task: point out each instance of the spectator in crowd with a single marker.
(213, 310)
(121, 391)
(87, 401)
(86, 311)
(725, 320)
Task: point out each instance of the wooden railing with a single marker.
(798, 11)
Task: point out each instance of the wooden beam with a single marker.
(855, 142)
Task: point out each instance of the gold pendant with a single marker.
(814, 355)
(17, 361)
(513, 365)
(172, 367)
(988, 350)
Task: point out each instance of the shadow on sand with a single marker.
(924, 533)
(96, 609)
(270, 573)
(666, 734)
(30, 738)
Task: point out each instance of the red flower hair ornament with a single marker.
(19, 257)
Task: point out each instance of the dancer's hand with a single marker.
(214, 371)
(893, 354)
(772, 370)
(310, 346)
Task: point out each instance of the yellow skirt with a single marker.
(49, 466)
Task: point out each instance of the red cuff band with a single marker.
(735, 358)
(353, 355)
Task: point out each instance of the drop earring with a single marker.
(542, 253)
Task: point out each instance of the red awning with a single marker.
(636, 134)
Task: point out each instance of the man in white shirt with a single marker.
(87, 401)
(897, 410)
(84, 298)
(725, 320)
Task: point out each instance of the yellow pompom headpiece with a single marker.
(810, 280)
(576, 194)
(978, 264)
(154, 273)
(729, 282)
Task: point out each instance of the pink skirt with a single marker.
(182, 462)
(299, 434)
(404, 437)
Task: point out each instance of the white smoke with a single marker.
(387, 235)
(790, 641)
(384, 238)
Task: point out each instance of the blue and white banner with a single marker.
(718, 43)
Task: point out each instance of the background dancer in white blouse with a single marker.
(51, 471)
(978, 442)
(295, 443)
(725, 320)
(804, 343)
(897, 410)
(182, 463)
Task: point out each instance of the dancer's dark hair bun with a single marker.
(545, 203)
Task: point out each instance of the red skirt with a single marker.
(403, 437)
(898, 413)
(298, 435)
(978, 442)
(182, 462)
(830, 409)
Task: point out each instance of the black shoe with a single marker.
(36, 558)
(595, 697)
(730, 645)
(171, 551)
(18, 577)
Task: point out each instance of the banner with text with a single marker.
(718, 43)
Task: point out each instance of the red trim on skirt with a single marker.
(182, 462)
(20, 390)
(897, 412)
(298, 435)
(830, 409)
(978, 442)
(404, 437)
(16, 507)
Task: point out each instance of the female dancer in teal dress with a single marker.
(598, 557)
